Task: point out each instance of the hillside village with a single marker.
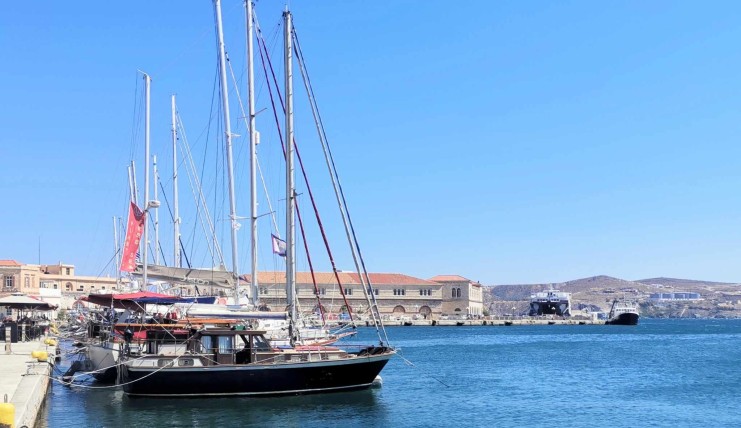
(656, 297)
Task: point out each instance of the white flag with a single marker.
(279, 246)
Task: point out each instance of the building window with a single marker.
(9, 281)
(55, 285)
(66, 270)
(375, 291)
(459, 292)
(323, 291)
(453, 293)
(80, 287)
(9, 311)
(348, 291)
(26, 282)
(68, 286)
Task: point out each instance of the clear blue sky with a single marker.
(505, 141)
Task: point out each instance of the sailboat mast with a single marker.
(145, 241)
(156, 213)
(253, 153)
(230, 165)
(175, 209)
(116, 254)
(290, 191)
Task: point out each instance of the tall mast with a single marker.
(117, 255)
(156, 213)
(253, 153)
(228, 131)
(145, 241)
(176, 209)
(290, 192)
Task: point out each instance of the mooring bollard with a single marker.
(7, 413)
(8, 340)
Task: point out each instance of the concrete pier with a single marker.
(492, 322)
(25, 380)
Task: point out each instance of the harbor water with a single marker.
(659, 373)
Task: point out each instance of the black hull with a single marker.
(106, 376)
(624, 319)
(259, 380)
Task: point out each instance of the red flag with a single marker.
(133, 238)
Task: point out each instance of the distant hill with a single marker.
(680, 283)
(596, 283)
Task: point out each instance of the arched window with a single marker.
(459, 292)
(454, 293)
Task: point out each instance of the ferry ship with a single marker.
(550, 302)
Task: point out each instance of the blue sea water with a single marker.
(659, 373)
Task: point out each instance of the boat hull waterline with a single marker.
(255, 380)
(627, 318)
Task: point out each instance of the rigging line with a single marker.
(334, 177)
(411, 364)
(246, 120)
(196, 190)
(308, 186)
(311, 265)
(315, 109)
(115, 254)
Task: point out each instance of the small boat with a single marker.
(623, 312)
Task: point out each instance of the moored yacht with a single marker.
(225, 362)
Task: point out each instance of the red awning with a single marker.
(121, 300)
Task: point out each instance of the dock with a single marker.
(24, 380)
(520, 321)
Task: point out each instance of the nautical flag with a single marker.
(134, 230)
(279, 246)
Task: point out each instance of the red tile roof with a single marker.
(445, 278)
(346, 278)
(9, 263)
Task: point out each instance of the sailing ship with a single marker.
(218, 361)
(623, 312)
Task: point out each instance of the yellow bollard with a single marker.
(50, 342)
(40, 355)
(7, 414)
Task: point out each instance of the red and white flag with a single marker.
(134, 230)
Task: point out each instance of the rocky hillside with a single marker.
(597, 293)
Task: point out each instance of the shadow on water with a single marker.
(112, 408)
(287, 411)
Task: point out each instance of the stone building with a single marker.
(40, 280)
(397, 294)
(461, 296)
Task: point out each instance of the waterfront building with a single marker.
(461, 296)
(50, 283)
(398, 295)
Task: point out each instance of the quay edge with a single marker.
(25, 380)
